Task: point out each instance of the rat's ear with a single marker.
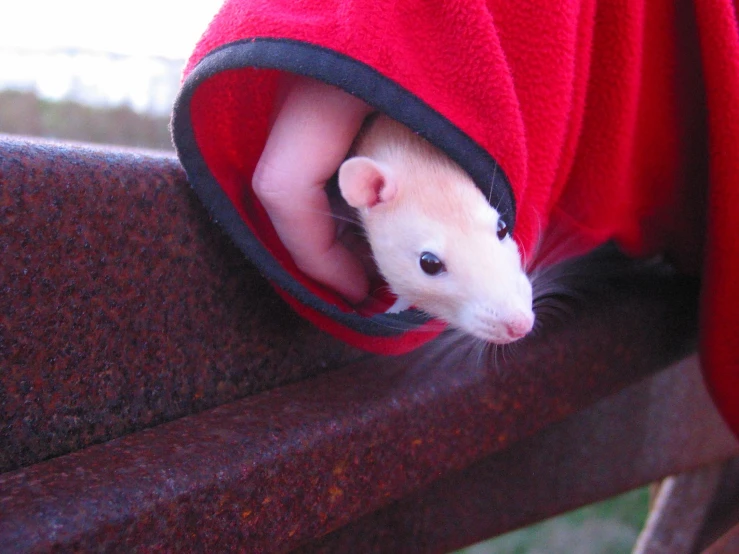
(365, 183)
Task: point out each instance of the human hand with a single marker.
(314, 127)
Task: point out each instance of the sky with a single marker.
(100, 52)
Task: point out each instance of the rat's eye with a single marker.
(431, 264)
(502, 229)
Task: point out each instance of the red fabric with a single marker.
(719, 36)
(596, 111)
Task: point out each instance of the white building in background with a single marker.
(145, 83)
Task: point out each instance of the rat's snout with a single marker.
(500, 311)
(498, 325)
(519, 324)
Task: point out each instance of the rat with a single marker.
(436, 241)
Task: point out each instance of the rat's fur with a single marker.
(413, 199)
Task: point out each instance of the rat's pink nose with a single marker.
(520, 324)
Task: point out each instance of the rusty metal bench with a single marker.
(155, 393)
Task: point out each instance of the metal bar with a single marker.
(727, 544)
(662, 426)
(275, 470)
(123, 306)
(723, 517)
(679, 511)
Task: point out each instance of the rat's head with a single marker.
(441, 246)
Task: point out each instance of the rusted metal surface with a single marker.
(722, 524)
(679, 510)
(696, 511)
(123, 307)
(271, 472)
(726, 544)
(659, 427)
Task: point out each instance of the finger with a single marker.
(311, 135)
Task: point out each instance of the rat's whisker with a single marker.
(492, 185)
(496, 363)
(554, 248)
(526, 256)
(353, 220)
(481, 348)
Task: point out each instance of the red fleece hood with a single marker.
(582, 117)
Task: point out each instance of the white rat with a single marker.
(435, 238)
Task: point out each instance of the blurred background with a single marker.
(95, 71)
(108, 73)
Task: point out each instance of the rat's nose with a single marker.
(519, 324)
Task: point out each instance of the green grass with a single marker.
(609, 527)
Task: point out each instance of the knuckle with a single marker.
(270, 183)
